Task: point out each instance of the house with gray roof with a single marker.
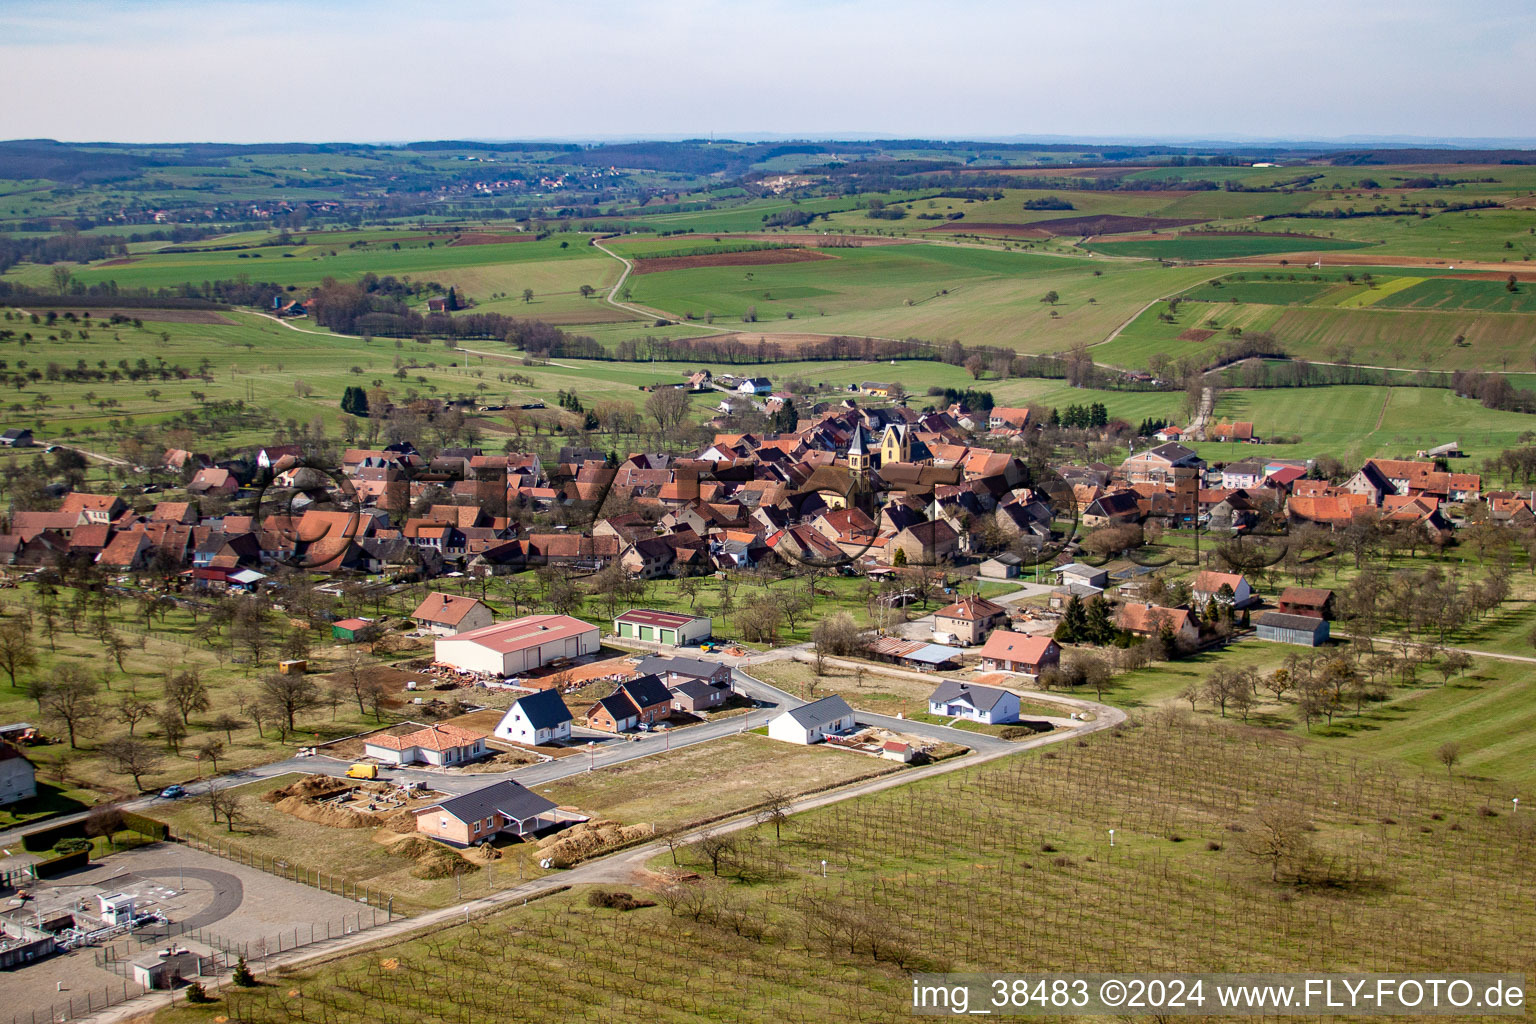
(813, 722)
(478, 817)
(986, 704)
(539, 718)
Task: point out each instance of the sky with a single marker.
(399, 70)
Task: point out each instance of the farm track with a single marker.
(626, 866)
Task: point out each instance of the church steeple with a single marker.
(858, 452)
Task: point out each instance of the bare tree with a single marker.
(71, 701)
(226, 802)
(17, 653)
(211, 749)
(131, 711)
(129, 756)
(1278, 836)
(227, 724)
(288, 697)
(186, 692)
(718, 848)
(172, 727)
(105, 820)
(775, 810)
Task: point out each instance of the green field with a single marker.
(1374, 335)
(1217, 247)
(979, 295)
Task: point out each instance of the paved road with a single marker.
(628, 866)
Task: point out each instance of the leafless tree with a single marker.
(131, 711)
(775, 810)
(1277, 835)
(172, 727)
(718, 848)
(17, 653)
(71, 701)
(287, 697)
(186, 692)
(129, 756)
(224, 801)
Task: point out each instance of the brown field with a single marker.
(119, 263)
(480, 238)
(1196, 334)
(812, 238)
(169, 316)
(1357, 259)
(750, 258)
(973, 228)
(1110, 224)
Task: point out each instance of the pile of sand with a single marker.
(310, 786)
(305, 798)
(588, 839)
(433, 860)
(402, 821)
(333, 815)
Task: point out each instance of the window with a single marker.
(442, 823)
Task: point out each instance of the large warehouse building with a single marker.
(521, 645)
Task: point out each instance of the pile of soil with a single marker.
(433, 860)
(394, 643)
(588, 839)
(304, 800)
(402, 821)
(310, 787)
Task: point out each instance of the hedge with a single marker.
(150, 828)
(59, 865)
(46, 838)
(146, 826)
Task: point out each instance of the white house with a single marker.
(985, 704)
(1208, 586)
(434, 744)
(755, 386)
(521, 645)
(537, 719)
(451, 614)
(813, 722)
(18, 779)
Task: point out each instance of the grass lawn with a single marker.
(709, 780)
(51, 800)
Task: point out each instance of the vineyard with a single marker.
(1234, 850)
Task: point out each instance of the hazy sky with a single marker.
(317, 70)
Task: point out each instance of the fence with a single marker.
(118, 956)
(74, 1006)
(340, 886)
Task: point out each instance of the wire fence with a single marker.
(74, 1006)
(336, 884)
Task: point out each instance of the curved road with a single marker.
(624, 865)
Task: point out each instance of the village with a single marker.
(992, 590)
